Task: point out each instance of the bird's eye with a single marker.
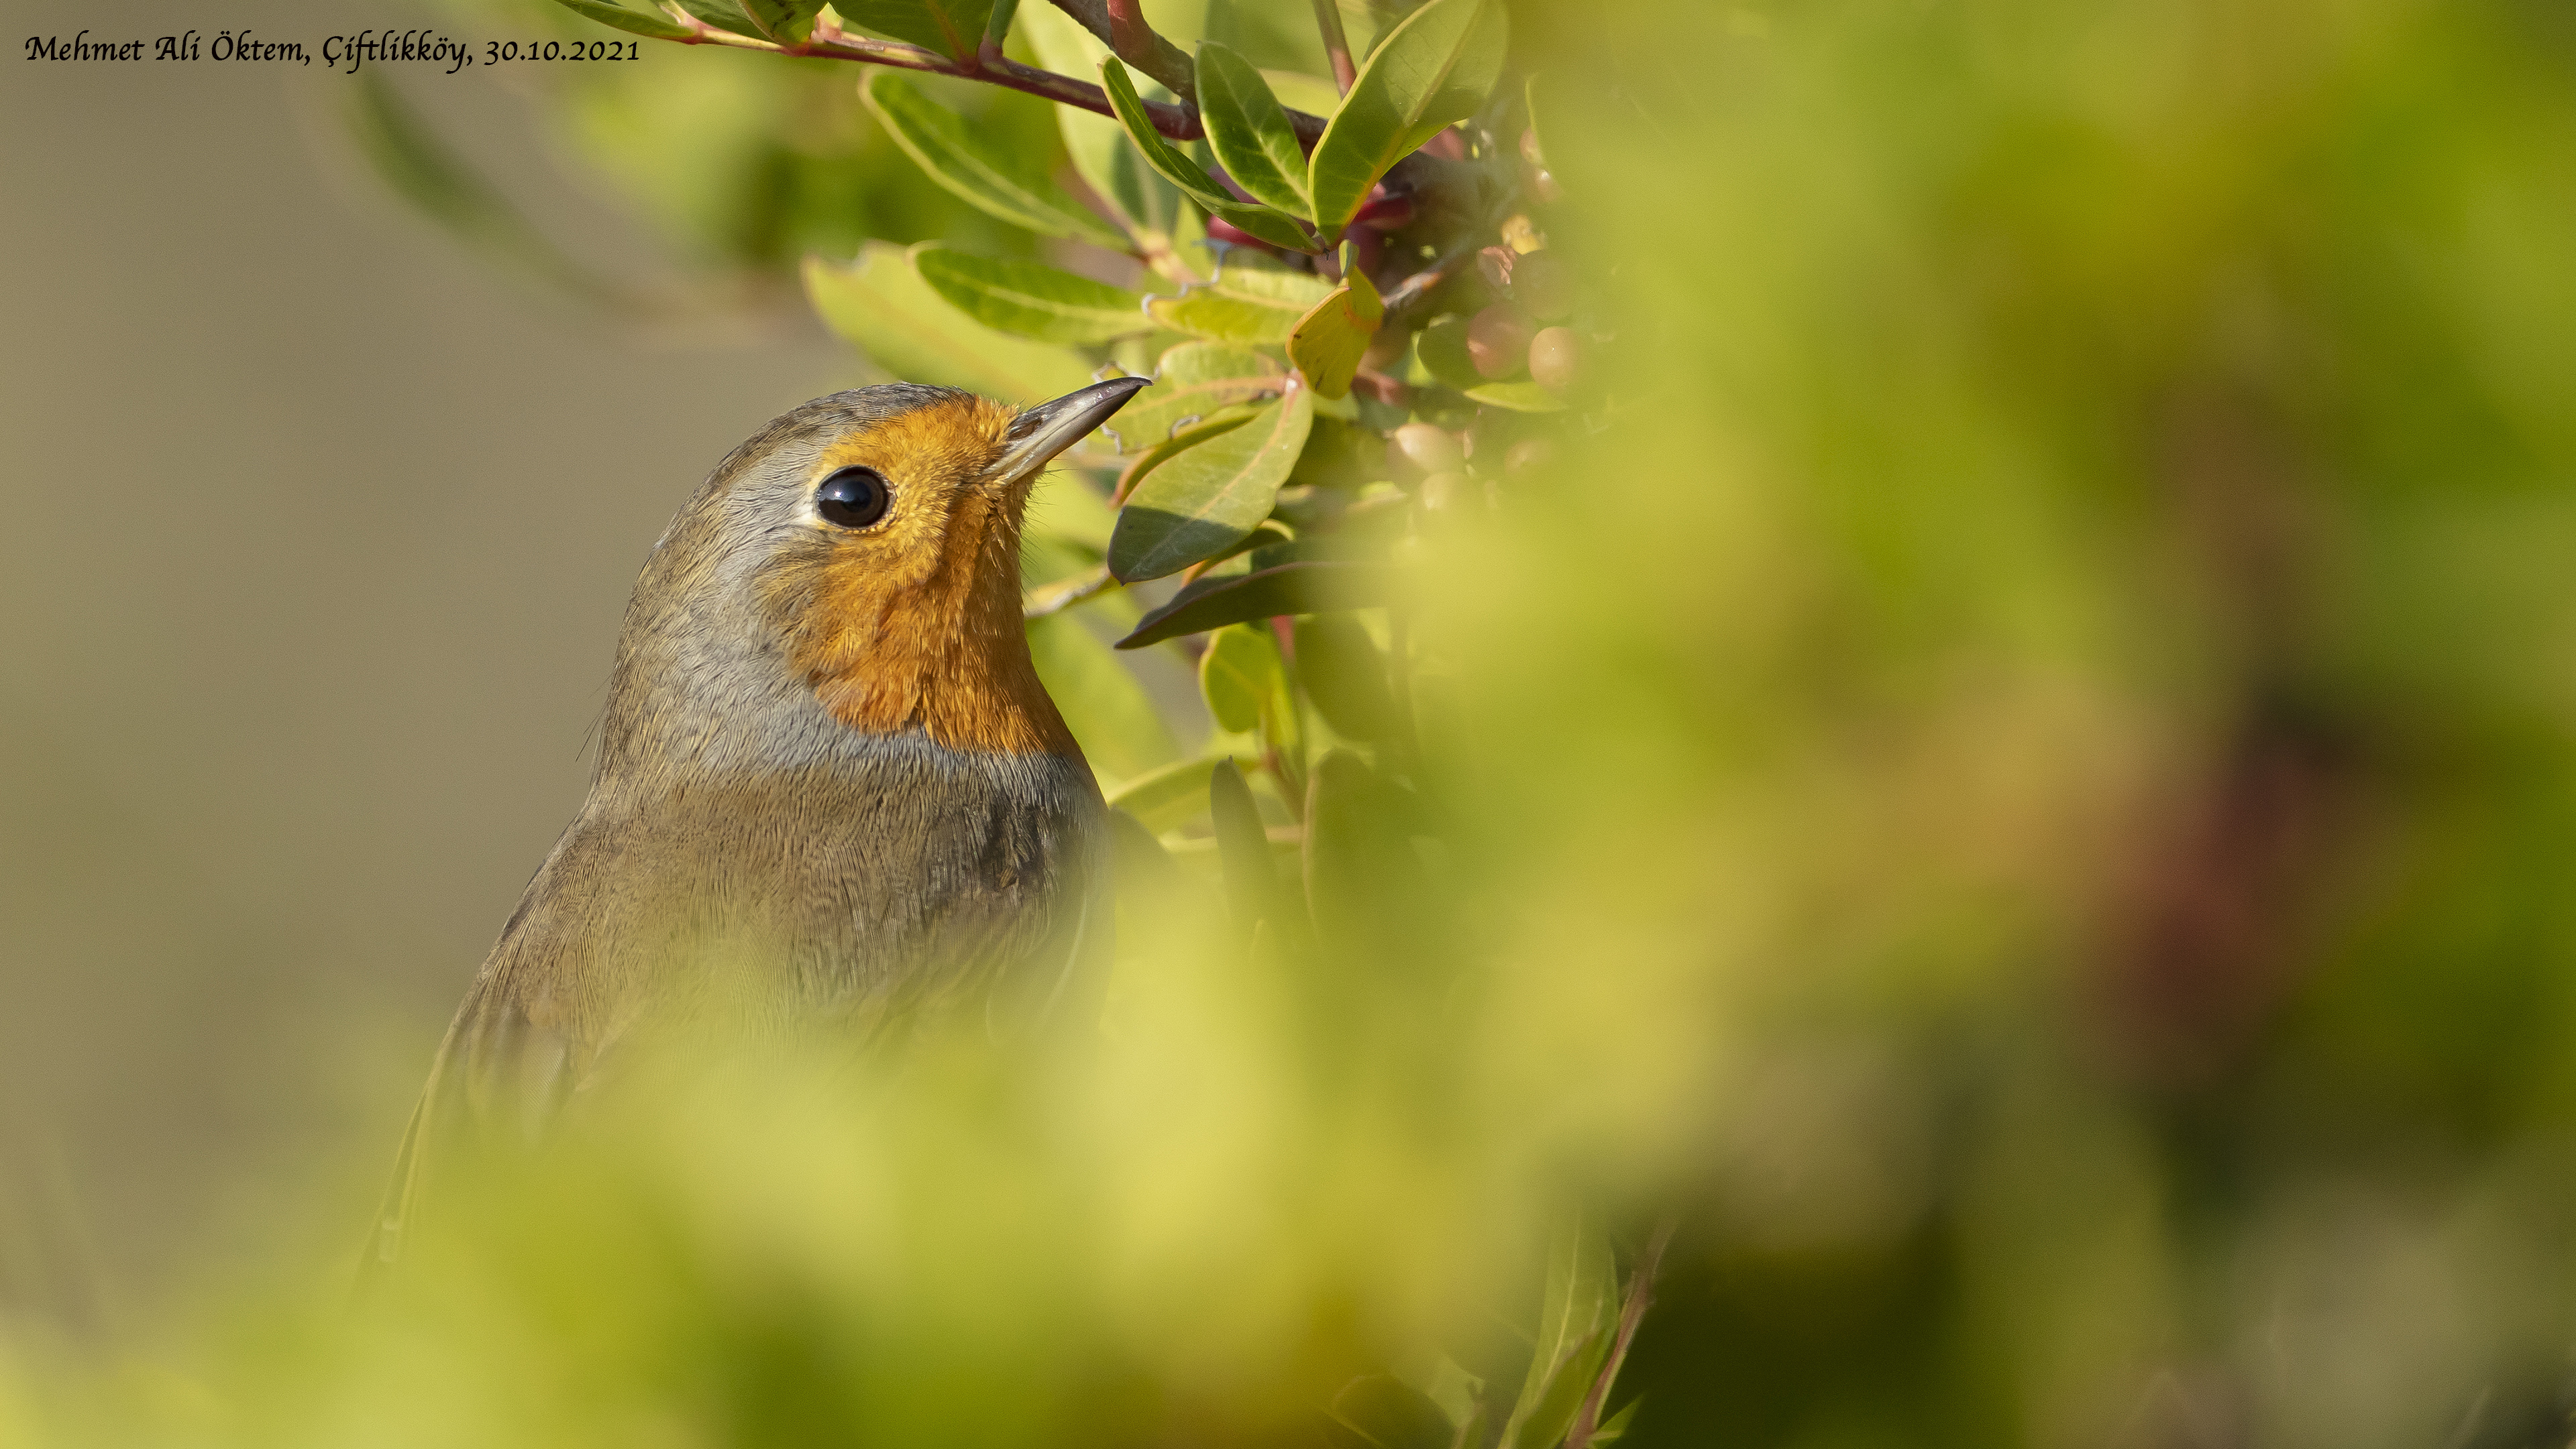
(853, 497)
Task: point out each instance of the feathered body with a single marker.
(830, 787)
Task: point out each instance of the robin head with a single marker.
(851, 571)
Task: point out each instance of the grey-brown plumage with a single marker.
(830, 793)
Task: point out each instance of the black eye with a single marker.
(853, 497)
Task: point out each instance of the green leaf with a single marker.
(1616, 1425)
(972, 164)
(1109, 712)
(1345, 676)
(788, 22)
(1326, 344)
(1253, 306)
(881, 303)
(722, 14)
(1554, 1410)
(1204, 499)
(1193, 381)
(1434, 69)
(1577, 1309)
(953, 28)
(1388, 1413)
(1249, 131)
(1185, 437)
(1166, 797)
(654, 23)
(1031, 299)
(1519, 397)
(1243, 848)
(1364, 884)
(1442, 350)
(1184, 173)
(1243, 678)
(1289, 588)
(1146, 204)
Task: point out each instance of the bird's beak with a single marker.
(1040, 433)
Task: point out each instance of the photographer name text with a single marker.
(349, 53)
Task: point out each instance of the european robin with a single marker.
(830, 788)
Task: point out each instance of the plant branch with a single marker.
(1120, 25)
(1328, 19)
(1063, 594)
(1641, 1296)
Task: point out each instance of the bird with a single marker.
(830, 791)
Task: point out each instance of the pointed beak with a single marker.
(1037, 435)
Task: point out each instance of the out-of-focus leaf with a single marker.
(1616, 1425)
(1212, 495)
(1253, 306)
(1578, 1308)
(1243, 848)
(1345, 676)
(1291, 588)
(655, 24)
(975, 167)
(788, 22)
(1249, 132)
(1166, 797)
(1519, 397)
(1552, 1413)
(1031, 299)
(1146, 204)
(1177, 168)
(1192, 382)
(1108, 711)
(1364, 884)
(1327, 342)
(1243, 678)
(881, 303)
(953, 28)
(1068, 509)
(1385, 1412)
(1433, 70)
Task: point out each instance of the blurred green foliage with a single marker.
(2007, 765)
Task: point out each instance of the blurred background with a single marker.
(2023, 786)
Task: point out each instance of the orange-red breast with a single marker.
(830, 787)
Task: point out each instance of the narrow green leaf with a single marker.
(1616, 1425)
(1431, 71)
(1181, 171)
(1249, 131)
(1579, 1305)
(1388, 1413)
(1290, 588)
(1166, 797)
(1031, 299)
(654, 23)
(1552, 1413)
(1212, 495)
(1345, 676)
(1191, 382)
(1327, 343)
(1243, 848)
(881, 303)
(1518, 397)
(1253, 306)
(952, 28)
(1146, 204)
(1107, 709)
(972, 164)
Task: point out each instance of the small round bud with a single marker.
(1556, 359)
(1498, 341)
(1544, 286)
(1429, 449)
(1528, 455)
